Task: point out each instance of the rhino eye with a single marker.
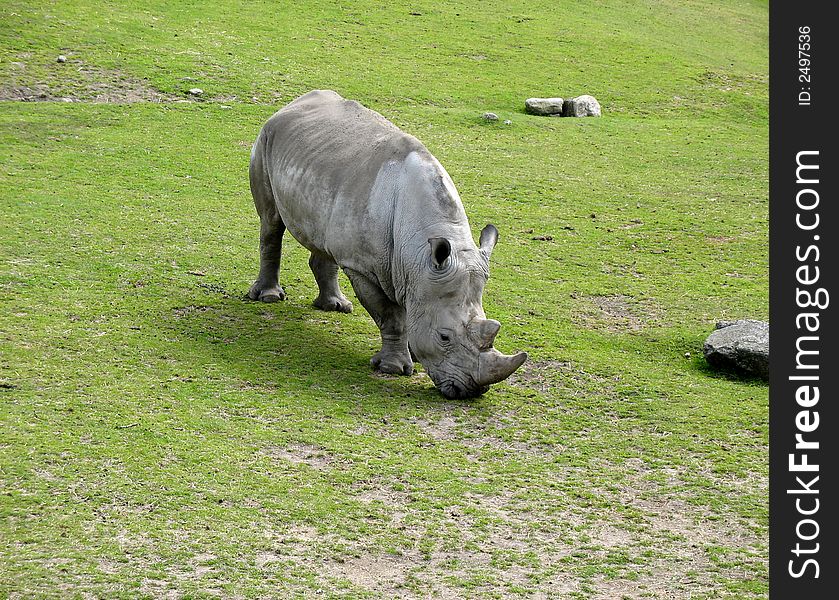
(444, 337)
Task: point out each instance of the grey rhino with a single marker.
(361, 194)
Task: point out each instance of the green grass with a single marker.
(160, 436)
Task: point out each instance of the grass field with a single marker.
(160, 437)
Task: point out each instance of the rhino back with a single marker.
(350, 184)
(323, 156)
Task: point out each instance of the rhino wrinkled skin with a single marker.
(362, 195)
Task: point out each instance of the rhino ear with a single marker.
(441, 249)
(489, 236)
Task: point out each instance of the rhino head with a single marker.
(448, 331)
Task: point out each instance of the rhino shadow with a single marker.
(286, 343)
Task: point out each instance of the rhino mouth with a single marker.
(457, 391)
(492, 368)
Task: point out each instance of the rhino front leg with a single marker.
(330, 297)
(394, 356)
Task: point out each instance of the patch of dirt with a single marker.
(76, 81)
(616, 313)
(727, 82)
(679, 533)
(264, 558)
(157, 588)
(378, 491)
(548, 375)
(303, 454)
(622, 270)
(38, 92)
(443, 429)
(609, 536)
(108, 567)
(384, 574)
(496, 434)
(496, 540)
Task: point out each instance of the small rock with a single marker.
(544, 238)
(61, 58)
(195, 91)
(741, 346)
(507, 122)
(490, 116)
(581, 106)
(544, 106)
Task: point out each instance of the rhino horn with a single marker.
(494, 366)
(487, 329)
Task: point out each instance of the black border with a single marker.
(796, 127)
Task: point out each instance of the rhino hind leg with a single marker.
(394, 357)
(329, 297)
(267, 287)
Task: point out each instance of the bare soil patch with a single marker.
(616, 313)
(679, 533)
(383, 574)
(76, 81)
(302, 454)
(443, 429)
(547, 375)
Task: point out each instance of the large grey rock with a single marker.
(581, 106)
(544, 106)
(741, 346)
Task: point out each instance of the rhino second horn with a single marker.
(494, 366)
(487, 330)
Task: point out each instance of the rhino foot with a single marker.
(392, 363)
(266, 294)
(333, 303)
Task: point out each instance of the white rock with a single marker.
(490, 116)
(581, 106)
(61, 58)
(195, 91)
(543, 106)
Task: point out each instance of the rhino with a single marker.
(362, 195)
